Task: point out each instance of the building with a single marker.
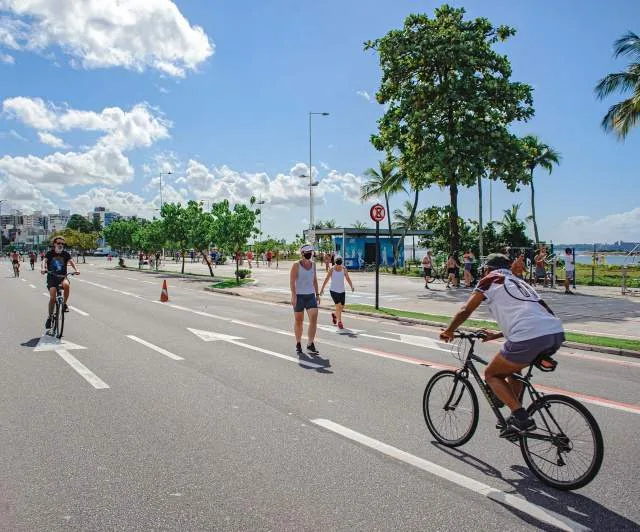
(103, 216)
(57, 222)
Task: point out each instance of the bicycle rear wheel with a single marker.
(450, 408)
(59, 320)
(572, 454)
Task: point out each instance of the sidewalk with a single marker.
(592, 310)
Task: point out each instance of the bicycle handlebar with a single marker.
(476, 335)
(55, 274)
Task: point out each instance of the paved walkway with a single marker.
(593, 310)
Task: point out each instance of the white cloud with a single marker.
(125, 203)
(22, 195)
(134, 34)
(324, 165)
(7, 59)
(346, 184)
(364, 94)
(610, 228)
(12, 133)
(102, 163)
(51, 140)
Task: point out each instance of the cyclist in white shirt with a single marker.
(528, 325)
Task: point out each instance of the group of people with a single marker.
(267, 258)
(16, 258)
(453, 269)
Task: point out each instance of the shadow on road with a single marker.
(325, 363)
(31, 343)
(576, 507)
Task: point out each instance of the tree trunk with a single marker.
(183, 257)
(480, 228)
(237, 270)
(413, 246)
(406, 228)
(454, 229)
(206, 260)
(533, 211)
(394, 267)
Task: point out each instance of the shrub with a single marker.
(242, 274)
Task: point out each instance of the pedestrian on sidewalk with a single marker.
(427, 266)
(453, 271)
(541, 266)
(249, 257)
(303, 283)
(468, 265)
(338, 274)
(570, 269)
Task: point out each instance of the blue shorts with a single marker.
(527, 351)
(305, 302)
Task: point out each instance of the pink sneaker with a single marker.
(333, 318)
(340, 326)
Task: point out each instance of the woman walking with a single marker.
(453, 271)
(468, 265)
(338, 274)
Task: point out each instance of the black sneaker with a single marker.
(65, 308)
(312, 348)
(48, 322)
(299, 349)
(517, 426)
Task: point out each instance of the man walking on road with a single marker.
(570, 268)
(303, 282)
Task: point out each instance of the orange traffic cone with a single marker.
(164, 295)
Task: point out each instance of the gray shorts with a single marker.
(570, 274)
(527, 351)
(305, 302)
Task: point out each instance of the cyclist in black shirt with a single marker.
(55, 266)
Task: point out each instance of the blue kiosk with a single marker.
(358, 246)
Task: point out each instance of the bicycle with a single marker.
(16, 269)
(57, 321)
(549, 451)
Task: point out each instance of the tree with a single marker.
(384, 182)
(436, 219)
(538, 154)
(232, 228)
(359, 225)
(77, 222)
(513, 231)
(405, 221)
(150, 237)
(449, 102)
(199, 230)
(119, 234)
(176, 227)
(622, 116)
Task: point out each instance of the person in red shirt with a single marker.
(249, 257)
(269, 258)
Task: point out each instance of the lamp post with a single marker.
(261, 202)
(161, 174)
(311, 185)
(1, 228)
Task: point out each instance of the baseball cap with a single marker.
(498, 261)
(306, 248)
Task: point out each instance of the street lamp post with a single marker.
(1, 228)
(161, 174)
(261, 202)
(311, 185)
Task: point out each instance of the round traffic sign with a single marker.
(377, 212)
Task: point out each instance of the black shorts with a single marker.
(453, 271)
(54, 281)
(427, 272)
(305, 302)
(338, 297)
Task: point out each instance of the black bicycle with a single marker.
(57, 320)
(566, 449)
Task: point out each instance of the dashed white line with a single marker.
(541, 514)
(154, 347)
(32, 286)
(82, 370)
(81, 312)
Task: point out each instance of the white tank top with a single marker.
(304, 280)
(337, 281)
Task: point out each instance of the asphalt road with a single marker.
(197, 415)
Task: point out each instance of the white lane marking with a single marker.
(518, 503)
(209, 336)
(23, 280)
(154, 347)
(49, 343)
(32, 286)
(81, 312)
(82, 370)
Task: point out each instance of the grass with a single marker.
(602, 341)
(231, 283)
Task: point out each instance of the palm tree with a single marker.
(512, 228)
(623, 115)
(543, 155)
(384, 182)
(359, 225)
(407, 221)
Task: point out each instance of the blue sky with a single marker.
(218, 93)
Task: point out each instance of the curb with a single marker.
(400, 319)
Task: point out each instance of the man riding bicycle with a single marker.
(32, 259)
(55, 266)
(15, 260)
(527, 323)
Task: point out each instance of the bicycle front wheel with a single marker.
(570, 452)
(450, 408)
(59, 320)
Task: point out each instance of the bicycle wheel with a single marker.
(572, 456)
(450, 408)
(59, 320)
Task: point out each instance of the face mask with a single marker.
(339, 262)
(307, 255)
(58, 248)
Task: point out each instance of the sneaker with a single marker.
(340, 326)
(517, 426)
(568, 292)
(65, 308)
(427, 287)
(333, 318)
(312, 348)
(49, 322)
(299, 348)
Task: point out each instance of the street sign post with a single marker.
(377, 214)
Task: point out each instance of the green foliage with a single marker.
(513, 231)
(150, 237)
(272, 244)
(77, 222)
(119, 233)
(449, 102)
(244, 273)
(624, 115)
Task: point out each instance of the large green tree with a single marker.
(384, 182)
(176, 226)
(119, 234)
(77, 222)
(538, 155)
(622, 116)
(199, 230)
(449, 101)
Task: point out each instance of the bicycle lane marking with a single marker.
(75, 309)
(518, 503)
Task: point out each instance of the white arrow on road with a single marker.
(210, 336)
(62, 348)
(334, 329)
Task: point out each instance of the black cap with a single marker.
(498, 261)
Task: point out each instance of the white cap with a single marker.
(306, 248)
